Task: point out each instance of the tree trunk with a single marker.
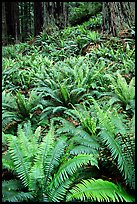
(118, 16)
(22, 21)
(30, 30)
(26, 20)
(4, 25)
(60, 14)
(55, 16)
(17, 24)
(38, 18)
(12, 21)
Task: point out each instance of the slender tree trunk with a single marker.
(22, 21)
(30, 18)
(38, 17)
(26, 20)
(17, 24)
(4, 25)
(118, 16)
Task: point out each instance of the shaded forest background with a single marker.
(20, 20)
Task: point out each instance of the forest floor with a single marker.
(81, 80)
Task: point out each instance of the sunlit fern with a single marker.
(124, 92)
(80, 141)
(37, 164)
(98, 191)
(82, 114)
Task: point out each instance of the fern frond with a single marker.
(124, 91)
(53, 158)
(28, 140)
(71, 165)
(22, 164)
(80, 136)
(98, 191)
(36, 176)
(59, 109)
(81, 149)
(64, 92)
(114, 135)
(45, 146)
(37, 171)
(22, 104)
(8, 118)
(7, 162)
(11, 192)
(57, 194)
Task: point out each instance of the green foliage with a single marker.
(124, 92)
(84, 118)
(120, 140)
(94, 137)
(79, 141)
(37, 164)
(98, 191)
(16, 109)
(83, 11)
(11, 192)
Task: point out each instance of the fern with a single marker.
(98, 191)
(125, 92)
(114, 134)
(50, 168)
(71, 166)
(56, 194)
(17, 108)
(84, 116)
(11, 191)
(40, 170)
(22, 165)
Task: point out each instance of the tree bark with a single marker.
(38, 18)
(118, 16)
(26, 20)
(4, 25)
(12, 21)
(55, 16)
(22, 21)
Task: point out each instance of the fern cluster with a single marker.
(38, 167)
(68, 124)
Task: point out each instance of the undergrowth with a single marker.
(68, 117)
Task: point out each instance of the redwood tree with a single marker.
(55, 16)
(38, 18)
(12, 21)
(4, 25)
(118, 16)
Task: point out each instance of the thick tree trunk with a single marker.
(12, 21)
(55, 16)
(118, 16)
(60, 14)
(38, 17)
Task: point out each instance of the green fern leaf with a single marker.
(53, 158)
(57, 194)
(71, 165)
(11, 192)
(22, 164)
(98, 191)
